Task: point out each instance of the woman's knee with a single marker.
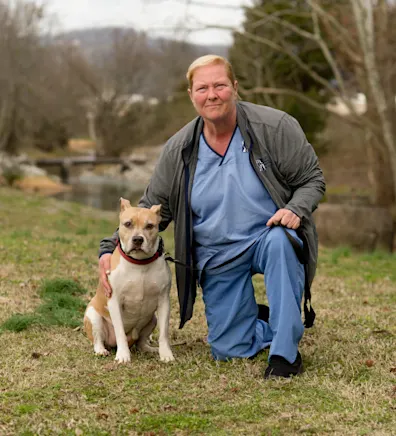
(276, 240)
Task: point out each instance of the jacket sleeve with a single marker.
(108, 245)
(159, 188)
(298, 164)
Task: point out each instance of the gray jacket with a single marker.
(283, 160)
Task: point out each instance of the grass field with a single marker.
(51, 382)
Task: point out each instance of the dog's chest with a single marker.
(138, 288)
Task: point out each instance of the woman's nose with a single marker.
(211, 93)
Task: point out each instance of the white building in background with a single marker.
(358, 102)
(137, 98)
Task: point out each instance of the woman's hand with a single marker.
(286, 218)
(104, 272)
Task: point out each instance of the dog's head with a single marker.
(138, 230)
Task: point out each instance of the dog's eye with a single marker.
(150, 226)
(127, 224)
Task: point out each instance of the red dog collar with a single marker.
(131, 259)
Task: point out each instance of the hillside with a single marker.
(154, 66)
(93, 39)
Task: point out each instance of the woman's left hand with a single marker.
(286, 218)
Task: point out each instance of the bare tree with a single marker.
(37, 100)
(115, 85)
(19, 44)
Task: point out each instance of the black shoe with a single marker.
(263, 312)
(280, 367)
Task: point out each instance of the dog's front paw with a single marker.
(166, 355)
(101, 351)
(167, 358)
(123, 356)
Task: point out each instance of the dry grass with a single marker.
(81, 145)
(51, 383)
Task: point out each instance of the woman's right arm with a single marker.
(106, 248)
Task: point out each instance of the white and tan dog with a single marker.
(141, 281)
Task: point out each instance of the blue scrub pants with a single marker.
(231, 308)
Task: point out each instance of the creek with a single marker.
(101, 193)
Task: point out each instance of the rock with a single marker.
(32, 171)
(41, 184)
(362, 227)
(19, 165)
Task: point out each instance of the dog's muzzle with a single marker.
(137, 242)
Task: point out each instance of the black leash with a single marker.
(178, 262)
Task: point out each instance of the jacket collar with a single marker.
(193, 141)
(244, 125)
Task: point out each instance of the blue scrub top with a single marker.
(230, 204)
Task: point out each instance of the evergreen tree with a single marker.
(259, 65)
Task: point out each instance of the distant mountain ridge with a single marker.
(155, 67)
(92, 39)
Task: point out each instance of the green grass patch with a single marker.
(16, 234)
(19, 321)
(25, 409)
(343, 262)
(169, 423)
(61, 307)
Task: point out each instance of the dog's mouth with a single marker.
(136, 249)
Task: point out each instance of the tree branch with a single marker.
(346, 37)
(354, 119)
(318, 39)
(315, 76)
(330, 58)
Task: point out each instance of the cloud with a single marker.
(152, 16)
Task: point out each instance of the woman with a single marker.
(233, 180)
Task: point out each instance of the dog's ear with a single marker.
(124, 204)
(156, 209)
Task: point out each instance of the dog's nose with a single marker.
(138, 240)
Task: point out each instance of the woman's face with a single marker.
(212, 93)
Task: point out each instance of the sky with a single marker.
(157, 17)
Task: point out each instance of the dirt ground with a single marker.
(345, 163)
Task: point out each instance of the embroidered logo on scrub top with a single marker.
(260, 164)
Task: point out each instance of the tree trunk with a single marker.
(380, 174)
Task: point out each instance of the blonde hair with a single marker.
(209, 60)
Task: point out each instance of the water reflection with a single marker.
(101, 196)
